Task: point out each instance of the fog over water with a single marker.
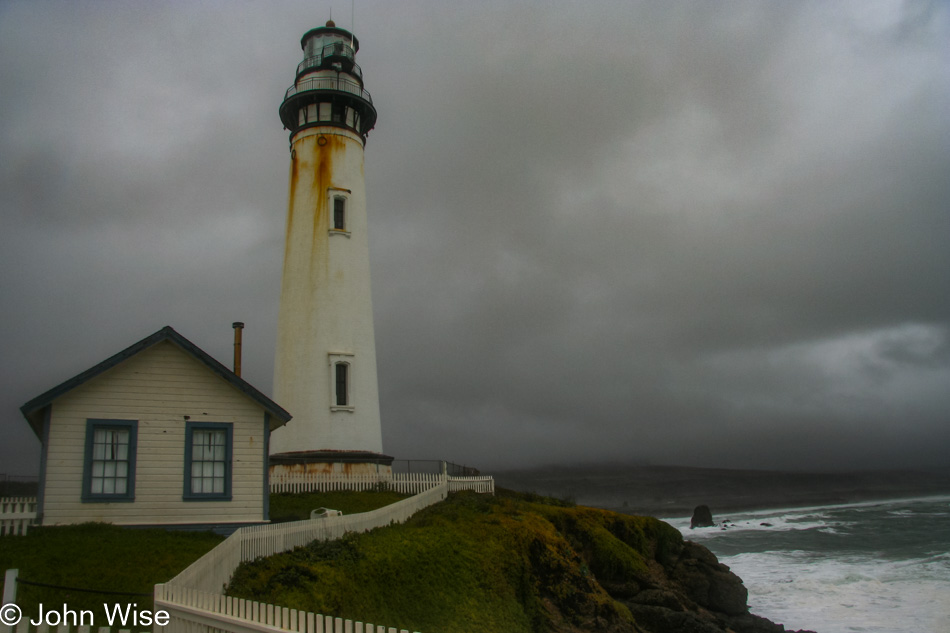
(709, 234)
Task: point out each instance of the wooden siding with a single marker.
(162, 387)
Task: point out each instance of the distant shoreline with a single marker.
(722, 505)
(853, 504)
(726, 510)
(674, 491)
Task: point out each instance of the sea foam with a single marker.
(873, 567)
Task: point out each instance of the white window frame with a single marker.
(333, 193)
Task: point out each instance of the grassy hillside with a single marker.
(473, 563)
(512, 563)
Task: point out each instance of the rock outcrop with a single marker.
(694, 593)
(677, 586)
(702, 517)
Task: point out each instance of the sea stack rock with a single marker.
(702, 517)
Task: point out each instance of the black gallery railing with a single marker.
(328, 83)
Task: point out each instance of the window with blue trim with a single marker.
(109, 463)
(208, 450)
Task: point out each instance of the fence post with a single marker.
(9, 586)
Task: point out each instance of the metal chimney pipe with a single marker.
(238, 327)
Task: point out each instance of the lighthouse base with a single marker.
(299, 463)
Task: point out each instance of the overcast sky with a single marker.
(697, 233)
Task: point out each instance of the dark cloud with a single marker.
(707, 234)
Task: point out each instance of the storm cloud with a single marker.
(709, 234)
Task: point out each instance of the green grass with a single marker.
(297, 506)
(98, 556)
(471, 564)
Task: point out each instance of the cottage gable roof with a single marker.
(33, 410)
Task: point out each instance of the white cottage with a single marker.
(160, 434)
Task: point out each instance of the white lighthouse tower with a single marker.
(325, 368)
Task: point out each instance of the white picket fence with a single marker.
(194, 598)
(212, 571)
(406, 483)
(16, 515)
(482, 484)
(199, 612)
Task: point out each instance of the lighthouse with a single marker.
(325, 363)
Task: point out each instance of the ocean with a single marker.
(873, 567)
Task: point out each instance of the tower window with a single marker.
(341, 381)
(339, 113)
(342, 384)
(339, 213)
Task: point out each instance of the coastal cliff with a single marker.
(511, 563)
